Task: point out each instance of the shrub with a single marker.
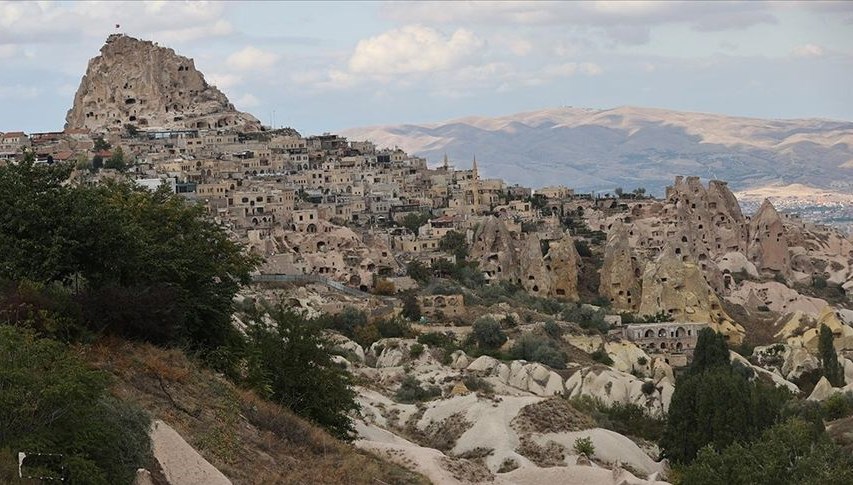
(642, 360)
(624, 418)
(487, 333)
(394, 328)
(411, 307)
(288, 363)
(837, 406)
(50, 400)
(587, 318)
(476, 384)
(648, 388)
(584, 446)
(601, 356)
(411, 391)
(553, 329)
(437, 339)
(384, 287)
(538, 349)
(416, 350)
(790, 452)
(508, 465)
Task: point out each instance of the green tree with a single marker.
(418, 272)
(288, 363)
(711, 351)
(454, 243)
(487, 333)
(414, 220)
(116, 160)
(829, 359)
(717, 407)
(116, 238)
(790, 452)
(101, 144)
(411, 307)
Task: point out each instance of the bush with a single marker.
(587, 318)
(648, 388)
(534, 348)
(474, 383)
(416, 350)
(553, 329)
(411, 307)
(642, 360)
(601, 356)
(790, 452)
(411, 391)
(487, 333)
(394, 328)
(628, 419)
(384, 287)
(50, 400)
(288, 364)
(437, 339)
(584, 446)
(837, 406)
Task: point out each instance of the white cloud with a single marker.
(19, 91)
(224, 81)
(591, 69)
(413, 49)
(247, 101)
(251, 58)
(808, 50)
(8, 51)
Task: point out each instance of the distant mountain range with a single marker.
(630, 147)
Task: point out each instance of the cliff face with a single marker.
(138, 83)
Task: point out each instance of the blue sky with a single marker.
(329, 66)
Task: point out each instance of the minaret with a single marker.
(446, 163)
(475, 184)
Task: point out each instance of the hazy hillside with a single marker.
(629, 147)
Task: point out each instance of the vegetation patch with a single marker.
(553, 415)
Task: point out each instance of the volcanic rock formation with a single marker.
(139, 83)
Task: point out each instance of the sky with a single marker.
(325, 67)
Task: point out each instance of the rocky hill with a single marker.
(139, 83)
(629, 147)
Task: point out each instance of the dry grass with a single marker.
(251, 440)
(551, 416)
(552, 454)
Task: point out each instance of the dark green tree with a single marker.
(455, 243)
(414, 220)
(711, 351)
(790, 452)
(411, 307)
(287, 363)
(101, 144)
(116, 160)
(487, 333)
(717, 407)
(829, 359)
(418, 272)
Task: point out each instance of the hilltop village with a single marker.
(465, 307)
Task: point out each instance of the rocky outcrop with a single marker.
(679, 289)
(544, 266)
(179, 462)
(620, 272)
(135, 82)
(768, 248)
(612, 386)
